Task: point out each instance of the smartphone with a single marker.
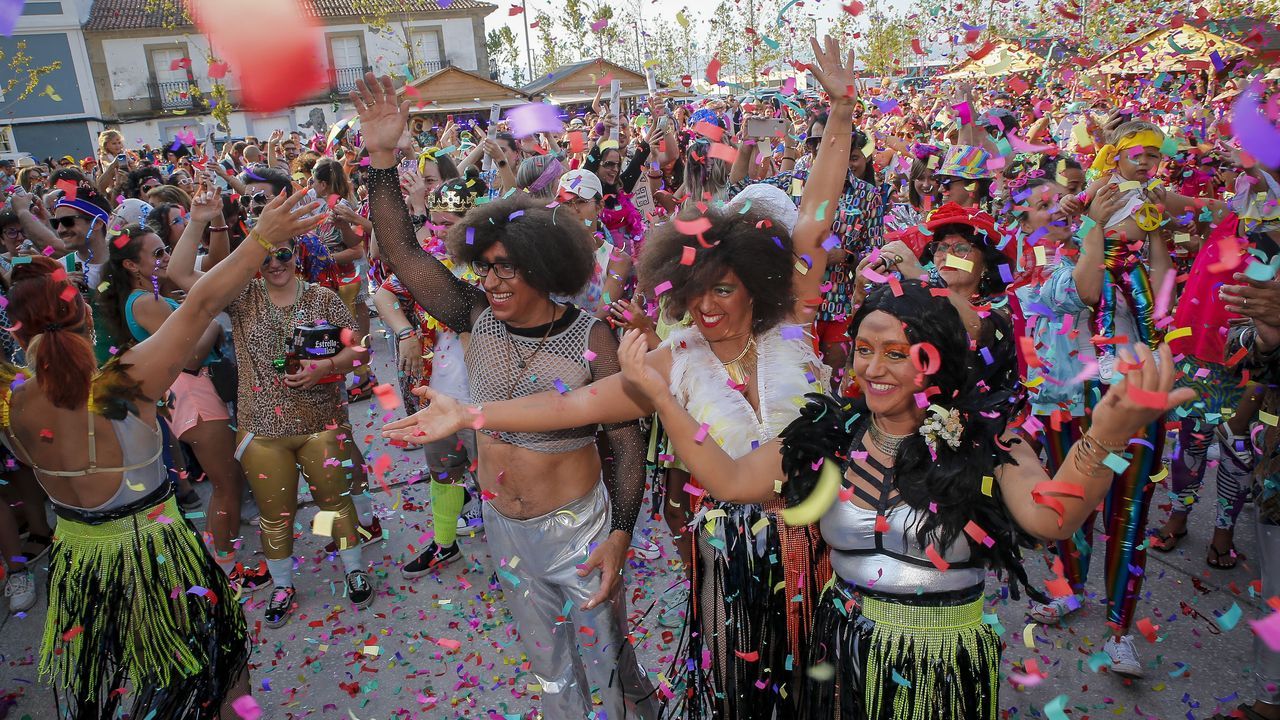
(758, 127)
(122, 159)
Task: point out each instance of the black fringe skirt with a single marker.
(884, 657)
(141, 619)
(736, 665)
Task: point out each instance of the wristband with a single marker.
(266, 244)
(220, 228)
(406, 333)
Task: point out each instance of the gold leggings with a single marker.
(272, 464)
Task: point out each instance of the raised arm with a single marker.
(1054, 508)
(751, 478)
(629, 176)
(606, 401)
(156, 361)
(205, 206)
(433, 286)
(826, 180)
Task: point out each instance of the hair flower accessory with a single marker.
(942, 423)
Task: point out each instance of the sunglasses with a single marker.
(148, 187)
(67, 222)
(159, 252)
(283, 255)
(504, 270)
(180, 220)
(610, 164)
(258, 198)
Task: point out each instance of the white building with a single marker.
(139, 60)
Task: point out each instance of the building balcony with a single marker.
(175, 96)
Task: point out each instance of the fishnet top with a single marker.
(578, 349)
(509, 365)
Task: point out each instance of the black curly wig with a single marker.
(758, 251)
(949, 479)
(552, 249)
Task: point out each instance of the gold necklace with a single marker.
(741, 367)
(887, 443)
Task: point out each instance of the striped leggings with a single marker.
(1124, 514)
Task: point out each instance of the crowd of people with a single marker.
(858, 360)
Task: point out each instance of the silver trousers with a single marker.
(590, 653)
(1266, 663)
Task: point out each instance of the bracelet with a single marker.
(1091, 454)
(406, 333)
(219, 228)
(266, 244)
(333, 366)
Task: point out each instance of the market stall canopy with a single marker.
(577, 82)
(1170, 49)
(452, 88)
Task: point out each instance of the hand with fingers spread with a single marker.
(1260, 301)
(442, 417)
(383, 116)
(206, 206)
(833, 69)
(1145, 395)
(286, 217)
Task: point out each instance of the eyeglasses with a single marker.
(13, 231)
(159, 252)
(960, 249)
(282, 255)
(610, 164)
(576, 200)
(504, 270)
(67, 222)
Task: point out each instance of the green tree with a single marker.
(504, 55)
(886, 41)
(607, 38)
(549, 52)
(573, 19)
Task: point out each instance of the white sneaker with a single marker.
(1124, 656)
(1055, 611)
(644, 548)
(672, 607)
(20, 588)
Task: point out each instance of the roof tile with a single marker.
(108, 15)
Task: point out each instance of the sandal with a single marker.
(1220, 560)
(1166, 542)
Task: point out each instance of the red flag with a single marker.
(713, 71)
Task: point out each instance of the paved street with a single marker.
(443, 647)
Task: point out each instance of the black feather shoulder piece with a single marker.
(823, 430)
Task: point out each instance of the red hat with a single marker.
(954, 214)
